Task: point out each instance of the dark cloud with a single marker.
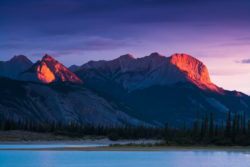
(245, 61)
(66, 45)
(114, 18)
(92, 17)
(95, 43)
(39, 24)
(130, 11)
(9, 46)
(243, 41)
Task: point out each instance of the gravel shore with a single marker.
(25, 137)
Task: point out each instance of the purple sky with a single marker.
(215, 31)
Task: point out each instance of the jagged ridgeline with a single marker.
(147, 91)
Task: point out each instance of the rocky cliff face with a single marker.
(148, 71)
(49, 70)
(195, 71)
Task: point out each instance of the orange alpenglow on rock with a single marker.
(44, 74)
(49, 70)
(194, 70)
(55, 71)
(153, 70)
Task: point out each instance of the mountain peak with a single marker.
(50, 70)
(13, 67)
(47, 57)
(21, 59)
(193, 67)
(126, 57)
(194, 70)
(73, 67)
(155, 54)
(18, 57)
(185, 58)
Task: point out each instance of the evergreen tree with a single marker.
(1, 124)
(244, 123)
(166, 132)
(196, 125)
(238, 124)
(228, 125)
(184, 126)
(216, 131)
(211, 126)
(248, 127)
(234, 128)
(204, 127)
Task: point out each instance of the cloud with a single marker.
(71, 45)
(244, 39)
(93, 44)
(227, 72)
(243, 43)
(39, 23)
(245, 61)
(9, 46)
(84, 43)
(129, 11)
(99, 43)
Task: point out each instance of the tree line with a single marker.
(205, 131)
(234, 130)
(74, 129)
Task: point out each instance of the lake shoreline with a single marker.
(163, 148)
(105, 144)
(104, 141)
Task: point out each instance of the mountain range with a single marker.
(151, 90)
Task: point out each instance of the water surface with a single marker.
(6, 146)
(123, 158)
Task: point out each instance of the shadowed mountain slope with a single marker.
(162, 89)
(64, 102)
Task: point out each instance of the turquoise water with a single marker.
(45, 146)
(123, 159)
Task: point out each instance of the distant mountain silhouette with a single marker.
(13, 67)
(73, 68)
